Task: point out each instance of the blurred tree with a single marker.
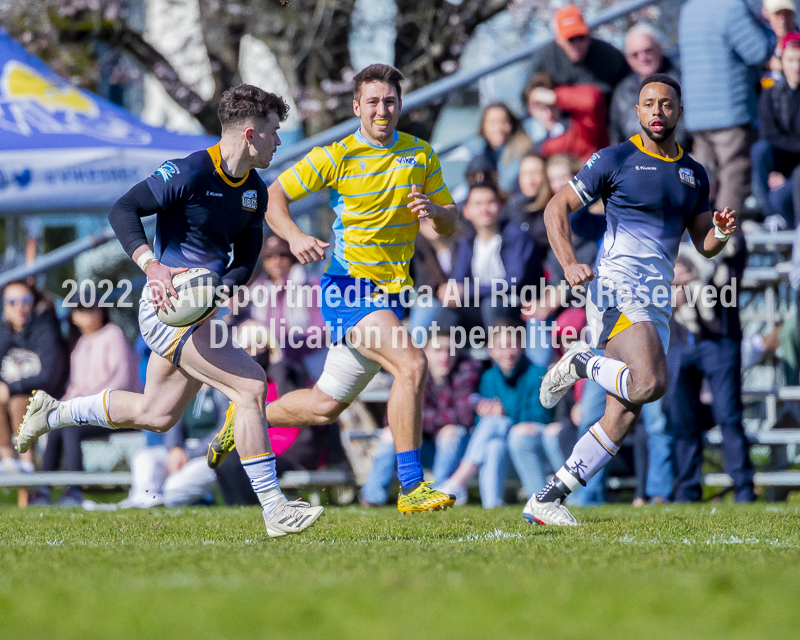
(308, 37)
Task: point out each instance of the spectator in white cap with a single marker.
(782, 18)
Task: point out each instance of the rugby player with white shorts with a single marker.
(652, 193)
(205, 205)
(381, 183)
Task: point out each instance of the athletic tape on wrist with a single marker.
(719, 235)
(145, 259)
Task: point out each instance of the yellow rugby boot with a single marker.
(421, 498)
(223, 443)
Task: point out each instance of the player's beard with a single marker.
(659, 137)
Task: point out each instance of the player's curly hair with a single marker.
(246, 102)
(377, 73)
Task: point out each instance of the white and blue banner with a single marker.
(62, 148)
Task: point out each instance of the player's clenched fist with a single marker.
(578, 274)
(307, 249)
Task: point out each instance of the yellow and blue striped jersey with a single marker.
(369, 187)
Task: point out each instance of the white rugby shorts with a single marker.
(161, 338)
(611, 309)
(346, 373)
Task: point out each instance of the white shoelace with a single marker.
(292, 510)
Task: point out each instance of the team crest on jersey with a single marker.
(250, 200)
(167, 170)
(687, 177)
(409, 160)
(590, 162)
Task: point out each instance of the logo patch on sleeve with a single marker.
(167, 170)
(590, 162)
(687, 177)
(250, 200)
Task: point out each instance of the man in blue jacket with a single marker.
(723, 47)
(495, 258)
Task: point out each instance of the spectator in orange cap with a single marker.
(575, 57)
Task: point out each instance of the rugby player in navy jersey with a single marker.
(205, 205)
(652, 193)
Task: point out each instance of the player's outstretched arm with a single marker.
(443, 217)
(710, 232)
(305, 248)
(559, 234)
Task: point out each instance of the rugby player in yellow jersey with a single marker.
(381, 183)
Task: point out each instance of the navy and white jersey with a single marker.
(205, 212)
(649, 202)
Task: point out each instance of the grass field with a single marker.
(678, 572)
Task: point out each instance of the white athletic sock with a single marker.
(590, 454)
(82, 410)
(261, 471)
(610, 374)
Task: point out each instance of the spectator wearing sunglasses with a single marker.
(575, 57)
(32, 356)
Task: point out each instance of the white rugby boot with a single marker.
(561, 376)
(34, 424)
(291, 517)
(553, 513)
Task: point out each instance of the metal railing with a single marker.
(415, 99)
(459, 80)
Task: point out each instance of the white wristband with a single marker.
(719, 235)
(145, 259)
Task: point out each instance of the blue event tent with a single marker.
(63, 149)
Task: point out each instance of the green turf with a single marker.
(677, 572)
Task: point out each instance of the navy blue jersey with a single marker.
(649, 202)
(204, 214)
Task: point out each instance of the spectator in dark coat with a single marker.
(776, 155)
(705, 343)
(498, 252)
(646, 57)
(575, 57)
(572, 117)
(430, 267)
(448, 413)
(33, 356)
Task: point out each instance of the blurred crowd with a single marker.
(739, 72)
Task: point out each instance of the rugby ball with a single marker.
(197, 298)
